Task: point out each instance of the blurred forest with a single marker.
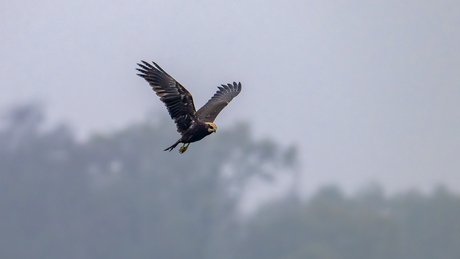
(118, 195)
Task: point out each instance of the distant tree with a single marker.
(329, 225)
(429, 225)
(40, 188)
(180, 204)
(119, 195)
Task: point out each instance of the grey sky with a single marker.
(368, 90)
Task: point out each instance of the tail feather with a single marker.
(173, 146)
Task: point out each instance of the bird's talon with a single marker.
(184, 148)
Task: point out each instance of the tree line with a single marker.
(118, 195)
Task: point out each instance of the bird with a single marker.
(191, 124)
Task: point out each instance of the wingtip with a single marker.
(239, 87)
(236, 87)
(143, 71)
(146, 63)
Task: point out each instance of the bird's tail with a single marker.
(173, 146)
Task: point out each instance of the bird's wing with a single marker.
(177, 99)
(221, 98)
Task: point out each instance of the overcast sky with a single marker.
(368, 90)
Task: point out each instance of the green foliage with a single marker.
(120, 196)
(368, 225)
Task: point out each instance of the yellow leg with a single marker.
(184, 148)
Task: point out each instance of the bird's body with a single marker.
(197, 131)
(191, 124)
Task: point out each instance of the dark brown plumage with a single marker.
(192, 125)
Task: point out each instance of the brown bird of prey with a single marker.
(191, 124)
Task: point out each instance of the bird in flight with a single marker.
(191, 124)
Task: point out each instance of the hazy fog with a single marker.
(368, 90)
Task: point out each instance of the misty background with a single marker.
(367, 91)
(348, 109)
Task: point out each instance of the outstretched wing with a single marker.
(177, 99)
(221, 98)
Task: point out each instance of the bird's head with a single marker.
(211, 127)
